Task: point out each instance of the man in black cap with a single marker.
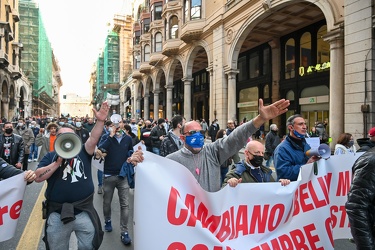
(157, 136)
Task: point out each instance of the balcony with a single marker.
(4, 62)
(157, 24)
(15, 72)
(16, 15)
(171, 47)
(172, 6)
(136, 75)
(145, 68)
(145, 38)
(192, 31)
(156, 59)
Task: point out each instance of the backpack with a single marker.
(321, 133)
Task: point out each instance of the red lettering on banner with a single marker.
(338, 213)
(325, 184)
(14, 211)
(328, 225)
(181, 246)
(172, 207)
(241, 221)
(296, 239)
(343, 186)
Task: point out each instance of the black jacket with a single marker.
(364, 144)
(156, 132)
(17, 150)
(360, 206)
(168, 145)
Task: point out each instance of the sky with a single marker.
(77, 30)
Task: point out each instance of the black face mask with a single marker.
(133, 123)
(8, 130)
(149, 126)
(257, 161)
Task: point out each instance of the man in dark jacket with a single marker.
(11, 146)
(367, 143)
(34, 148)
(360, 206)
(7, 171)
(28, 139)
(157, 136)
(172, 141)
(213, 129)
(272, 141)
(146, 135)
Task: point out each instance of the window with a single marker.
(290, 59)
(305, 53)
(187, 4)
(254, 65)
(266, 61)
(158, 11)
(145, 25)
(173, 27)
(137, 61)
(242, 75)
(195, 12)
(158, 42)
(146, 57)
(323, 55)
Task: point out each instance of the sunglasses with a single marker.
(191, 132)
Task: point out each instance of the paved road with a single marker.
(29, 238)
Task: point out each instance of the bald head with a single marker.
(192, 125)
(255, 146)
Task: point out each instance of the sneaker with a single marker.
(100, 190)
(29, 160)
(125, 238)
(108, 226)
(35, 159)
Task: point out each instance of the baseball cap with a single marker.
(371, 133)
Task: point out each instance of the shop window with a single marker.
(158, 42)
(323, 55)
(305, 54)
(173, 27)
(290, 95)
(146, 57)
(254, 64)
(290, 56)
(242, 68)
(248, 103)
(266, 91)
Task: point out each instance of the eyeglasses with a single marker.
(191, 132)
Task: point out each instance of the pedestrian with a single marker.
(11, 146)
(272, 141)
(157, 136)
(204, 162)
(28, 139)
(33, 148)
(360, 204)
(290, 155)
(128, 130)
(172, 142)
(81, 131)
(213, 129)
(204, 126)
(230, 127)
(345, 144)
(46, 141)
(251, 169)
(367, 143)
(69, 197)
(118, 147)
(146, 135)
(89, 125)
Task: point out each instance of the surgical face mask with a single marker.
(20, 124)
(351, 143)
(78, 124)
(110, 130)
(8, 130)
(257, 160)
(298, 135)
(61, 123)
(32, 126)
(195, 140)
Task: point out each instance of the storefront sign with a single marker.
(317, 68)
(314, 99)
(247, 104)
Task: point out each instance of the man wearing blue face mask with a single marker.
(290, 155)
(204, 161)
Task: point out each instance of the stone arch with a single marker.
(188, 69)
(260, 14)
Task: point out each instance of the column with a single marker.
(5, 108)
(146, 107)
(187, 98)
(336, 84)
(212, 114)
(156, 104)
(232, 88)
(169, 102)
(139, 111)
(133, 106)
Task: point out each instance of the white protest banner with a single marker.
(172, 210)
(11, 199)
(140, 144)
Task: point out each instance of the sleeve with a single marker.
(154, 135)
(7, 171)
(285, 165)
(229, 175)
(359, 206)
(164, 147)
(269, 143)
(105, 141)
(21, 150)
(39, 140)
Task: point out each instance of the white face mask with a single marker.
(78, 124)
(20, 124)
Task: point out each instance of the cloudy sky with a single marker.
(77, 31)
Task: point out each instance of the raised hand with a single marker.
(102, 114)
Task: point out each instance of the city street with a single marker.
(29, 231)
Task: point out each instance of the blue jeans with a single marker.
(33, 151)
(58, 233)
(110, 183)
(156, 150)
(269, 162)
(100, 178)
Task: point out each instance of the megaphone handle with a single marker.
(315, 168)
